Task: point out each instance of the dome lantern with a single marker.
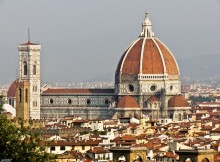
(146, 27)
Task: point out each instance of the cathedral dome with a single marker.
(11, 90)
(128, 102)
(148, 56)
(178, 101)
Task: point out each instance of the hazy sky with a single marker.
(82, 40)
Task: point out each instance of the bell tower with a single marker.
(28, 82)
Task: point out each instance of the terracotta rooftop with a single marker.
(178, 101)
(147, 56)
(29, 43)
(153, 99)
(12, 90)
(77, 91)
(128, 102)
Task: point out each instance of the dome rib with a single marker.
(170, 61)
(142, 52)
(161, 55)
(131, 61)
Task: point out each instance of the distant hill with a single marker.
(200, 67)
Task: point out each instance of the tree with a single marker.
(19, 143)
(1, 103)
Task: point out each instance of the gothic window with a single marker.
(26, 95)
(34, 70)
(34, 88)
(179, 117)
(20, 95)
(10, 102)
(25, 68)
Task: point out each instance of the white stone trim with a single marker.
(153, 77)
(142, 52)
(170, 53)
(128, 50)
(161, 55)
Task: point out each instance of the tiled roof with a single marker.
(128, 102)
(74, 154)
(152, 99)
(12, 90)
(29, 43)
(78, 91)
(147, 57)
(73, 143)
(98, 150)
(178, 101)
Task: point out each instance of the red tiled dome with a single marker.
(128, 102)
(178, 101)
(147, 55)
(12, 90)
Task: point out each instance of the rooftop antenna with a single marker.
(28, 35)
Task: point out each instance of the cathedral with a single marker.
(147, 83)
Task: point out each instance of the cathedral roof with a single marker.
(29, 43)
(128, 102)
(12, 90)
(152, 99)
(178, 101)
(147, 55)
(77, 91)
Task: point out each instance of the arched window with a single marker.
(25, 68)
(188, 160)
(35, 103)
(26, 95)
(121, 159)
(10, 101)
(34, 70)
(179, 117)
(20, 95)
(205, 160)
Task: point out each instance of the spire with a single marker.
(146, 27)
(28, 35)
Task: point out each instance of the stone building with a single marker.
(147, 82)
(28, 82)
